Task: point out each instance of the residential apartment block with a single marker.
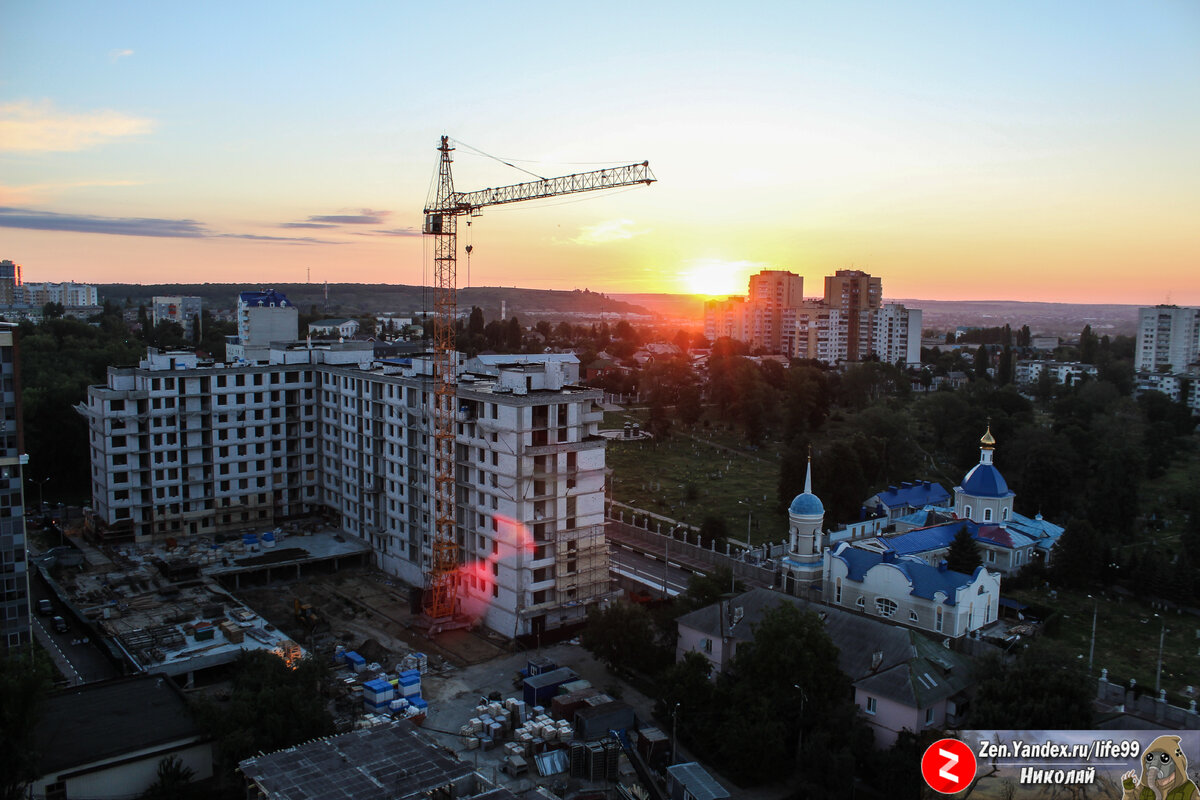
(182, 447)
(1168, 339)
(14, 577)
(20, 300)
(850, 323)
(184, 311)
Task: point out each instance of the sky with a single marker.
(960, 150)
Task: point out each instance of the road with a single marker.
(647, 569)
(79, 663)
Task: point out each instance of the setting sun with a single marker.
(714, 277)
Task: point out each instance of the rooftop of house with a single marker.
(934, 673)
(385, 762)
(98, 721)
(915, 494)
(858, 639)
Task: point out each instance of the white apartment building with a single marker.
(262, 318)
(184, 311)
(1168, 339)
(1067, 373)
(182, 447)
(68, 294)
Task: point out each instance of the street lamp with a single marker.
(1158, 673)
(800, 734)
(1092, 649)
(674, 719)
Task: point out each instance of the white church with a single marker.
(903, 576)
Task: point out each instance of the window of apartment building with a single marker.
(872, 705)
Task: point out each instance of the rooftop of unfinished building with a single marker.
(162, 604)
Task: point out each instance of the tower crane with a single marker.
(441, 222)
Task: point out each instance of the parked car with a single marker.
(44, 607)
(59, 624)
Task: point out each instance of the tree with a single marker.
(622, 636)
(52, 310)
(173, 781)
(1076, 559)
(24, 683)
(271, 706)
(982, 361)
(475, 322)
(514, 338)
(1036, 691)
(713, 529)
(963, 555)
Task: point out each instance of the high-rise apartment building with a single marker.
(181, 447)
(262, 318)
(1168, 339)
(850, 323)
(10, 283)
(183, 311)
(14, 576)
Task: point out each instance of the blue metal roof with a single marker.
(807, 505)
(268, 298)
(918, 495)
(926, 581)
(922, 540)
(984, 480)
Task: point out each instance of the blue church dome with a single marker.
(807, 505)
(984, 480)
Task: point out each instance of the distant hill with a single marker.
(1052, 319)
(368, 298)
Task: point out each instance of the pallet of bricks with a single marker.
(525, 731)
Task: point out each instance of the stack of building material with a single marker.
(356, 662)
(232, 632)
(378, 695)
(417, 661)
(409, 684)
(651, 742)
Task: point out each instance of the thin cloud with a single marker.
(365, 217)
(30, 219)
(393, 232)
(114, 55)
(39, 127)
(305, 225)
(34, 193)
(613, 230)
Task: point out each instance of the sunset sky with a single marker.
(960, 150)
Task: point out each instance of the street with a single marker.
(79, 663)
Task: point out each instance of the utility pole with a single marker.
(1162, 634)
(674, 719)
(1092, 649)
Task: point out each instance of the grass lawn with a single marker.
(696, 472)
(1127, 635)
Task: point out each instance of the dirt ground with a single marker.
(360, 605)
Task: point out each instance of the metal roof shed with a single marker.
(690, 782)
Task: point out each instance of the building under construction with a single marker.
(183, 447)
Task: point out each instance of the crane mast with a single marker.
(441, 222)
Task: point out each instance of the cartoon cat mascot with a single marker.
(1164, 774)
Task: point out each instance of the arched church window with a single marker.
(837, 591)
(885, 606)
(1004, 513)
(967, 512)
(987, 515)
